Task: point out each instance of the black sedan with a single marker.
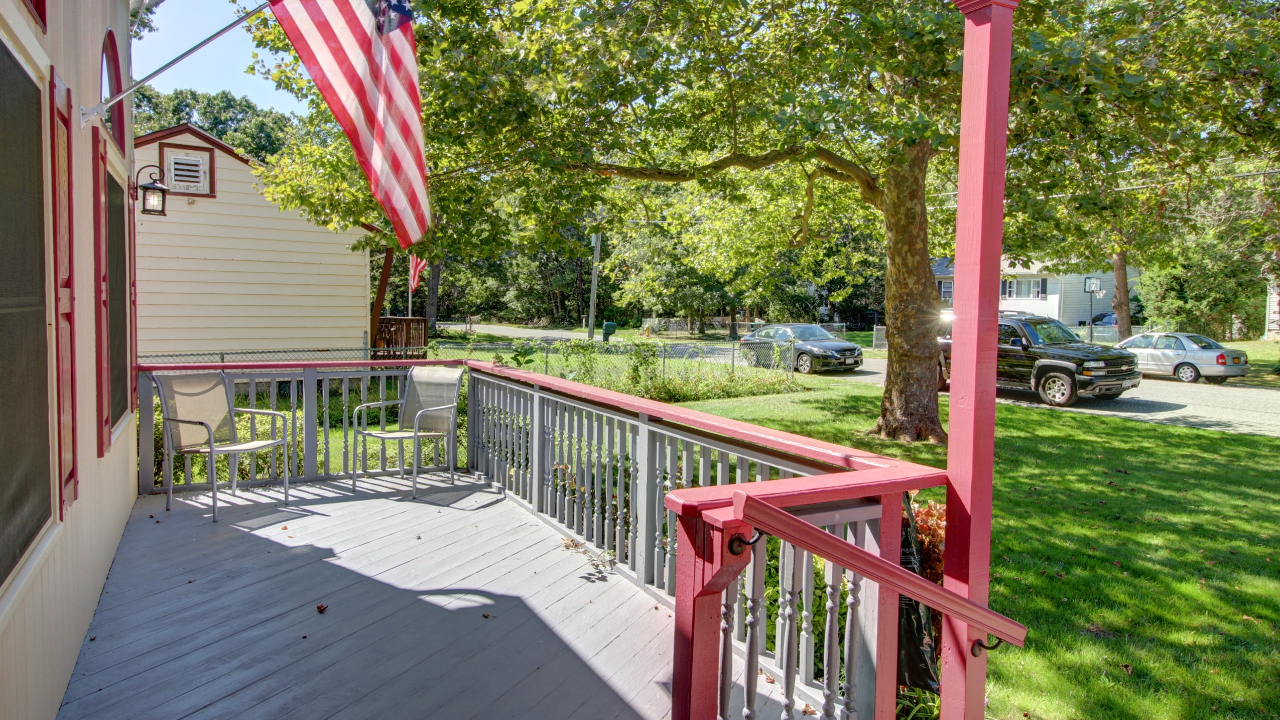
(812, 349)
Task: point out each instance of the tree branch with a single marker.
(838, 168)
(738, 160)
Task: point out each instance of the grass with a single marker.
(1264, 357)
(1117, 543)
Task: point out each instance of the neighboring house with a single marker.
(1273, 313)
(1040, 291)
(226, 270)
(68, 444)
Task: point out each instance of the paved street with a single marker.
(517, 332)
(1234, 408)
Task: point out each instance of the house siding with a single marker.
(46, 604)
(234, 272)
(1065, 298)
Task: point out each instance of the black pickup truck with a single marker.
(1041, 354)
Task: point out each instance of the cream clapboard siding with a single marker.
(47, 603)
(235, 272)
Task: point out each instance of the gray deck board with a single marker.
(408, 585)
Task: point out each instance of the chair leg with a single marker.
(168, 479)
(212, 474)
(232, 463)
(355, 463)
(286, 483)
(417, 447)
(451, 456)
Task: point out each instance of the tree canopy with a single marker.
(237, 121)
(537, 106)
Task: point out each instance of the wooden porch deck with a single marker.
(459, 605)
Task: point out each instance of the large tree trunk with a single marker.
(1120, 302)
(909, 410)
(433, 291)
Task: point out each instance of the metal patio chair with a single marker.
(429, 399)
(199, 419)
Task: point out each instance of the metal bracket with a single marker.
(979, 646)
(737, 545)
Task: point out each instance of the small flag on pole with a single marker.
(360, 54)
(416, 266)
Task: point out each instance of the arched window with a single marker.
(112, 84)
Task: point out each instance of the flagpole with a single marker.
(100, 110)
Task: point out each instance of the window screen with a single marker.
(25, 503)
(117, 300)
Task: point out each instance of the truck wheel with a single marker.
(1058, 389)
(1187, 373)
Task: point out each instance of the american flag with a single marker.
(360, 54)
(416, 266)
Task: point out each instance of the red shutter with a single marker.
(132, 265)
(64, 289)
(101, 318)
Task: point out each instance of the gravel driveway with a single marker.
(1233, 408)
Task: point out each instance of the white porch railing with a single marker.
(598, 471)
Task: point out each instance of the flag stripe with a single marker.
(363, 108)
(370, 82)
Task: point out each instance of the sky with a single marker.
(218, 66)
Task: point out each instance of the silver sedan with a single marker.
(1186, 356)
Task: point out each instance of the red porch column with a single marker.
(984, 120)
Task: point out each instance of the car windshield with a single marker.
(1049, 332)
(811, 332)
(1205, 343)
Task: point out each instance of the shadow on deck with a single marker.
(458, 605)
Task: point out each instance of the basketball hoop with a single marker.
(1102, 293)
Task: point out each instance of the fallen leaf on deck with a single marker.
(808, 710)
(484, 615)
(321, 608)
(769, 679)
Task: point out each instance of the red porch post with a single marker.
(984, 120)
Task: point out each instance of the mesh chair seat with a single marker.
(234, 447)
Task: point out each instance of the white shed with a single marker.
(226, 270)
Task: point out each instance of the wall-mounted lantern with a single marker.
(153, 191)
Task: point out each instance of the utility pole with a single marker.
(595, 272)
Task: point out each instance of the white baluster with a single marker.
(754, 619)
(789, 651)
(833, 576)
(806, 619)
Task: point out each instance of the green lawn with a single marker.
(1144, 558)
(1264, 356)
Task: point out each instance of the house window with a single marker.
(26, 503)
(111, 295)
(946, 290)
(1030, 288)
(188, 170)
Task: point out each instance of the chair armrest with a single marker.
(418, 418)
(365, 407)
(204, 425)
(284, 421)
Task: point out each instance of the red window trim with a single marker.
(115, 83)
(60, 114)
(100, 287)
(213, 178)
